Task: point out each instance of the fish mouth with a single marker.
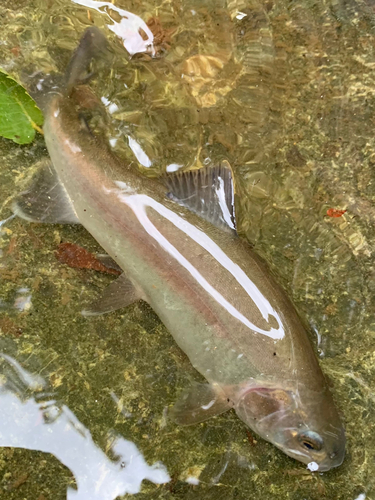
(329, 463)
(335, 459)
(315, 464)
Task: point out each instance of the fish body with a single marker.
(213, 293)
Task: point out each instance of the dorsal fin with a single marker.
(208, 192)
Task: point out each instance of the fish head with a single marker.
(306, 428)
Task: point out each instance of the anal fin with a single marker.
(46, 200)
(119, 294)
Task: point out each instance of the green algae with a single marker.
(300, 143)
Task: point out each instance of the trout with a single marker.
(175, 241)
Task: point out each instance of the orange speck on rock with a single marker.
(12, 245)
(15, 51)
(8, 327)
(334, 212)
(250, 437)
(162, 36)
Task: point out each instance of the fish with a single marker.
(175, 241)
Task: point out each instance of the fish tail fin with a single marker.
(93, 43)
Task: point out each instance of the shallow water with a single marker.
(285, 92)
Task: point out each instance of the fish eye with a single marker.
(311, 441)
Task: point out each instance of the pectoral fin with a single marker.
(107, 261)
(46, 200)
(200, 403)
(120, 293)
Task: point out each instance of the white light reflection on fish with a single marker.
(220, 193)
(139, 205)
(141, 156)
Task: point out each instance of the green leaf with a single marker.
(19, 115)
